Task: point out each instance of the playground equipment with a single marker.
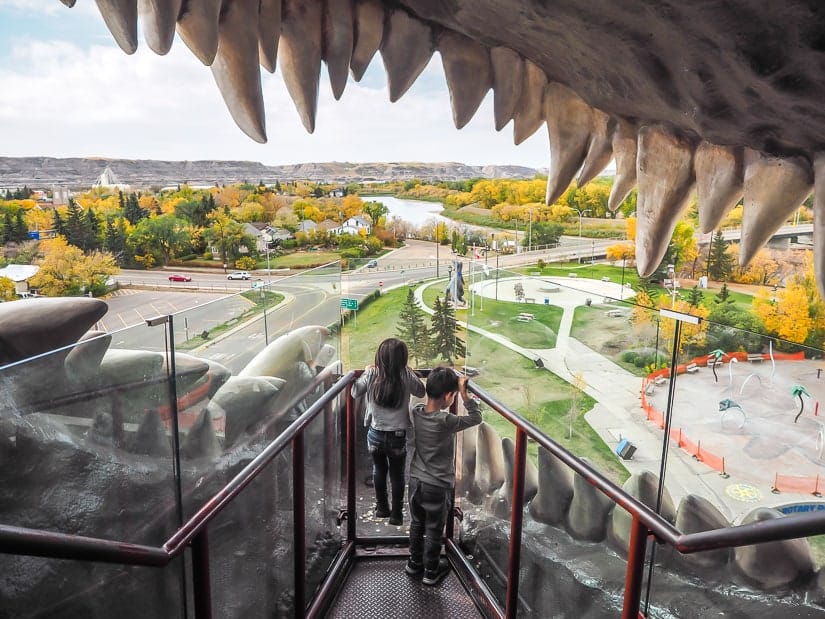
(725, 407)
(798, 391)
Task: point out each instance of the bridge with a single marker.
(781, 239)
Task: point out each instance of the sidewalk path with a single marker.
(618, 414)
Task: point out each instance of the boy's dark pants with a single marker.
(429, 505)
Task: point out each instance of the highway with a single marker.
(310, 297)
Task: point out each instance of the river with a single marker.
(416, 212)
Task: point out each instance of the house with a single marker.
(20, 274)
(353, 225)
(327, 225)
(306, 225)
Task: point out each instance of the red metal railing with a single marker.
(194, 533)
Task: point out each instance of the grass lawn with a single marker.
(301, 259)
(540, 396)
(606, 335)
(256, 298)
(501, 317)
(592, 271)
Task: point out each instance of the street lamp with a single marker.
(581, 213)
(450, 290)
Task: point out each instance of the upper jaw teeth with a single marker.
(346, 34)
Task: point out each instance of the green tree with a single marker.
(695, 296)
(114, 239)
(21, 230)
(543, 233)
(720, 263)
(8, 227)
(75, 233)
(375, 211)
(58, 224)
(133, 212)
(164, 237)
(445, 341)
(91, 231)
(724, 294)
(412, 329)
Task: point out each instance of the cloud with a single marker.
(65, 97)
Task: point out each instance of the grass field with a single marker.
(300, 260)
(540, 396)
(501, 317)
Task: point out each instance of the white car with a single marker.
(238, 275)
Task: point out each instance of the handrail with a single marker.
(788, 527)
(35, 542)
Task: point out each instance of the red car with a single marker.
(177, 277)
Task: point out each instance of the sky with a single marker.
(67, 90)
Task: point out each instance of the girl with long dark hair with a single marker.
(388, 385)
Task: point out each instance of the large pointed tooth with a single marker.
(719, 177)
(529, 114)
(468, 72)
(300, 55)
(269, 30)
(600, 149)
(121, 20)
(198, 27)
(369, 30)
(338, 35)
(569, 125)
(774, 188)
(819, 222)
(664, 167)
(406, 49)
(201, 441)
(68, 3)
(158, 18)
(508, 79)
(624, 150)
(235, 68)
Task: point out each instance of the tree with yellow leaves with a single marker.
(621, 251)
(788, 316)
(7, 289)
(66, 271)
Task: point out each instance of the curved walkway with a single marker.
(618, 414)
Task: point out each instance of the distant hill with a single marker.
(78, 173)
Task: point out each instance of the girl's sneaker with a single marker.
(412, 568)
(434, 577)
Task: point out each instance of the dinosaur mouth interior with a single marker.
(722, 98)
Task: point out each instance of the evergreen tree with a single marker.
(8, 227)
(445, 342)
(724, 295)
(720, 264)
(278, 186)
(58, 224)
(695, 296)
(412, 328)
(21, 230)
(74, 229)
(133, 211)
(91, 231)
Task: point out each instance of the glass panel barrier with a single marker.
(251, 547)
(745, 446)
(258, 364)
(323, 474)
(86, 450)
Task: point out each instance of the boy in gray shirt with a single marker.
(432, 469)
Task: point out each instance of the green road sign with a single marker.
(351, 304)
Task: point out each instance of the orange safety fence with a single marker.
(797, 483)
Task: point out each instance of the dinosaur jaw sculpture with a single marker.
(718, 97)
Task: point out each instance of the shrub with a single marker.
(629, 356)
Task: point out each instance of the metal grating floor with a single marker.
(378, 588)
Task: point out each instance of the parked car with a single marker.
(178, 277)
(372, 264)
(238, 275)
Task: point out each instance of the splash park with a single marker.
(757, 417)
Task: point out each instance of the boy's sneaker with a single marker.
(396, 518)
(412, 568)
(382, 511)
(434, 577)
